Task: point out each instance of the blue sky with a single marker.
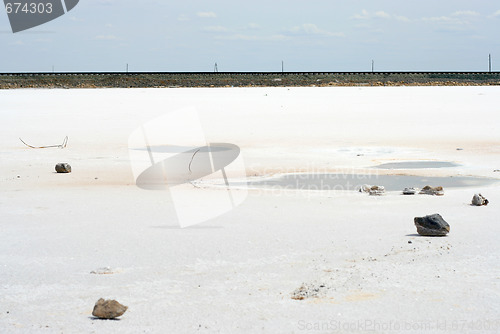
(150, 35)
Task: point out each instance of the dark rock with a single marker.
(428, 190)
(63, 167)
(108, 309)
(410, 191)
(432, 225)
(479, 200)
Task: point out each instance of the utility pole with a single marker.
(215, 68)
(282, 66)
(52, 68)
(489, 62)
(373, 65)
(127, 67)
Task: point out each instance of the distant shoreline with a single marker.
(234, 79)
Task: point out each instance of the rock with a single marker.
(108, 309)
(102, 271)
(377, 190)
(428, 190)
(63, 167)
(410, 191)
(479, 200)
(372, 190)
(311, 290)
(432, 225)
(365, 188)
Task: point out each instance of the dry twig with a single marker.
(63, 145)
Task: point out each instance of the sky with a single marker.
(314, 35)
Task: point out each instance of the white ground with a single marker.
(236, 273)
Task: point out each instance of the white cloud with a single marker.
(363, 16)
(242, 37)
(206, 14)
(447, 20)
(106, 37)
(182, 18)
(312, 29)
(496, 14)
(402, 18)
(215, 29)
(253, 26)
(465, 13)
(381, 14)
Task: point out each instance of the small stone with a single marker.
(108, 309)
(102, 271)
(63, 168)
(410, 191)
(432, 225)
(435, 191)
(479, 200)
(460, 149)
(409, 241)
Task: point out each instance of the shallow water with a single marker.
(354, 181)
(417, 165)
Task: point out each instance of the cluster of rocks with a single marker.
(427, 190)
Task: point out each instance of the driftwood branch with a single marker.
(63, 145)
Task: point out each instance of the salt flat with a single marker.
(237, 272)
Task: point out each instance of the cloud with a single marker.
(402, 18)
(242, 37)
(312, 29)
(105, 37)
(363, 16)
(182, 18)
(381, 14)
(206, 14)
(496, 14)
(465, 13)
(447, 20)
(253, 26)
(215, 29)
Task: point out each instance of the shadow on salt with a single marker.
(417, 165)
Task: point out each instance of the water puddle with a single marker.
(417, 165)
(354, 181)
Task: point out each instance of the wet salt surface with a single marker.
(354, 181)
(417, 165)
